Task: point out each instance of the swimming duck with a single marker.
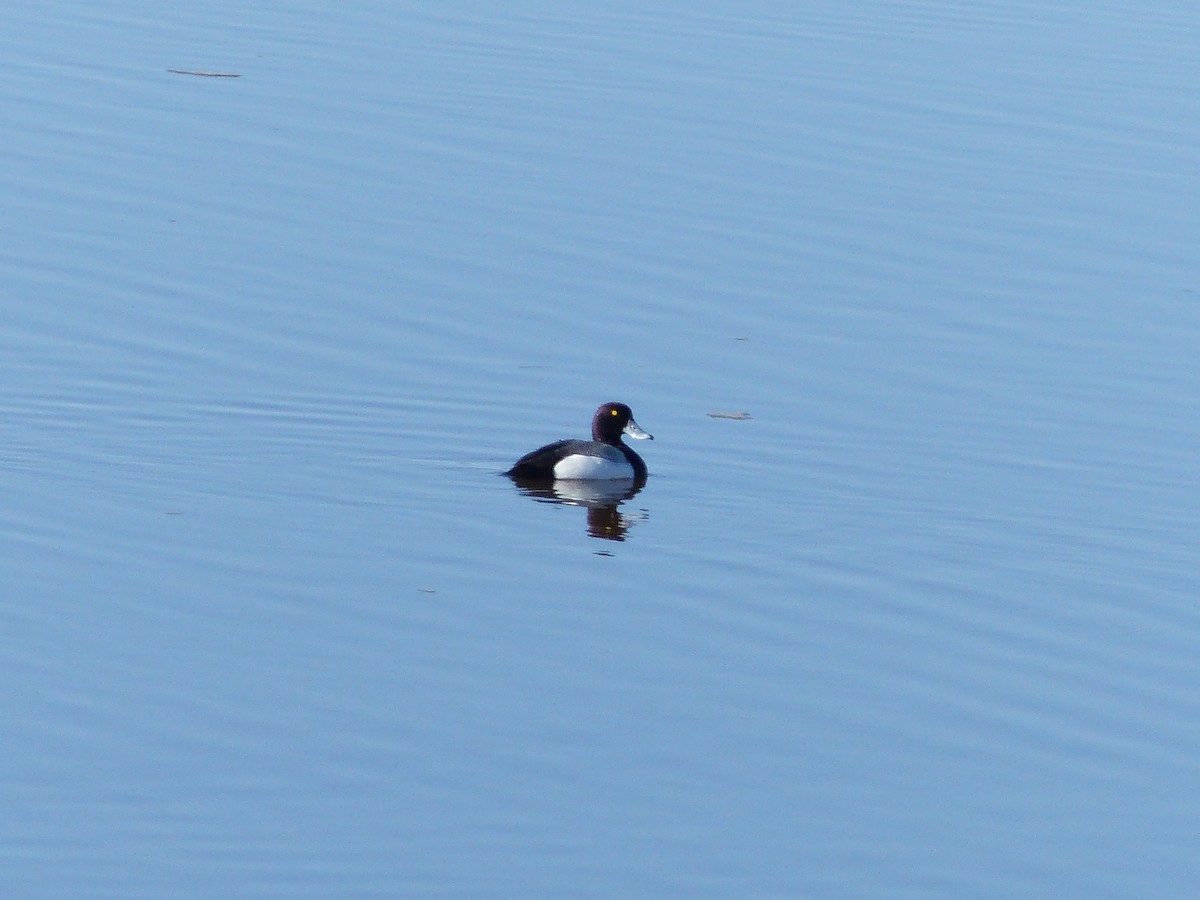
(604, 458)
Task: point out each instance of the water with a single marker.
(923, 624)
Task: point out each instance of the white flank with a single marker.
(594, 468)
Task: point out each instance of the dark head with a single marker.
(614, 419)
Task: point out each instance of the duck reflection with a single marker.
(600, 498)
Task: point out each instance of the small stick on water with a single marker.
(205, 74)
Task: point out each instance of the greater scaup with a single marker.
(604, 458)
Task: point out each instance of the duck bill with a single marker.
(634, 430)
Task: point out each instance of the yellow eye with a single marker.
(613, 413)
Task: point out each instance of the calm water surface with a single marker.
(923, 625)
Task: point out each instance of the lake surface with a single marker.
(922, 622)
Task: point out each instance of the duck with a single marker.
(604, 458)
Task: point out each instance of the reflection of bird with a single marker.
(606, 523)
(601, 499)
(604, 458)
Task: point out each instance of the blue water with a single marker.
(921, 623)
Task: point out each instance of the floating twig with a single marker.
(205, 74)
